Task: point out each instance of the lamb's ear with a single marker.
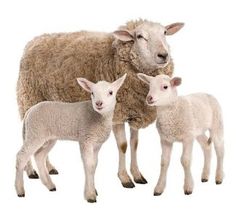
(85, 84)
(144, 78)
(117, 84)
(123, 35)
(173, 28)
(176, 81)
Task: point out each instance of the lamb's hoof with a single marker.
(157, 193)
(188, 192)
(128, 184)
(218, 182)
(96, 192)
(53, 172)
(91, 200)
(34, 175)
(141, 180)
(204, 180)
(21, 195)
(53, 189)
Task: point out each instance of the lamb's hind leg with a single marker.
(119, 132)
(138, 178)
(205, 143)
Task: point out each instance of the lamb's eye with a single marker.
(165, 87)
(165, 32)
(92, 93)
(139, 36)
(110, 93)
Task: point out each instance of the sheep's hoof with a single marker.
(96, 192)
(53, 172)
(218, 182)
(53, 189)
(91, 200)
(128, 184)
(204, 180)
(34, 175)
(141, 180)
(188, 192)
(21, 195)
(157, 193)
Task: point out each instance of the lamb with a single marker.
(184, 118)
(52, 61)
(88, 122)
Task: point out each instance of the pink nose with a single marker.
(149, 99)
(99, 103)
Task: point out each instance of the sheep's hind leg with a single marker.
(138, 177)
(119, 132)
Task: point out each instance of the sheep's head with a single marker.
(162, 89)
(145, 43)
(103, 93)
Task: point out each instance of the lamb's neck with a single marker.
(170, 107)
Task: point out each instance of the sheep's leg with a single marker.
(165, 160)
(40, 159)
(32, 174)
(51, 169)
(206, 147)
(119, 132)
(90, 158)
(186, 163)
(138, 178)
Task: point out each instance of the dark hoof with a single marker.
(53, 190)
(157, 193)
(53, 172)
(188, 192)
(21, 195)
(96, 192)
(204, 180)
(218, 182)
(141, 180)
(34, 175)
(92, 200)
(128, 184)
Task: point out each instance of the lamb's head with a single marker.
(145, 43)
(162, 89)
(103, 93)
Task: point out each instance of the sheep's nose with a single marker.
(163, 55)
(99, 103)
(149, 98)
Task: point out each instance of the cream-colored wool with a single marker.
(51, 63)
(184, 119)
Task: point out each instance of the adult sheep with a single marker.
(52, 62)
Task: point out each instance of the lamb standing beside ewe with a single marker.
(52, 61)
(183, 119)
(88, 122)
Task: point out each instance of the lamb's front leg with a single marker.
(89, 155)
(165, 160)
(186, 163)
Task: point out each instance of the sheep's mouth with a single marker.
(99, 108)
(151, 103)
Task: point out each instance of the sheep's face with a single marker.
(149, 50)
(162, 89)
(103, 93)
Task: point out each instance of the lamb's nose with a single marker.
(163, 55)
(149, 98)
(99, 103)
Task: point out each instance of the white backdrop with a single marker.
(204, 55)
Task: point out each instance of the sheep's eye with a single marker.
(139, 36)
(110, 92)
(165, 87)
(92, 93)
(165, 32)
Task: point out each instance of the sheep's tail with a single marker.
(23, 131)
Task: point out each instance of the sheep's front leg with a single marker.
(165, 160)
(186, 163)
(138, 178)
(119, 132)
(89, 155)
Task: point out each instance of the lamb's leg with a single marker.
(40, 159)
(165, 160)
(90, 158)
(138, 178)
(32, 174)
(119, 132)
(206, 147)
(186, 163)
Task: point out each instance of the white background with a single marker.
(204, 56)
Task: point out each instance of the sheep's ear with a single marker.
(145, 78)
(173, 28)
(85, 84)
(123, 35)
(117, 84)
(176, 81)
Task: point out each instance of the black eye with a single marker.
(92, 93)
(165, 32)
(165, 87)
(110, 92)
(139, 36)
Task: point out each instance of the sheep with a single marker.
(88, 122)
(183, 119)
(52, 61)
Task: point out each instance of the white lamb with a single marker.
(88, 122)
(183, 119)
